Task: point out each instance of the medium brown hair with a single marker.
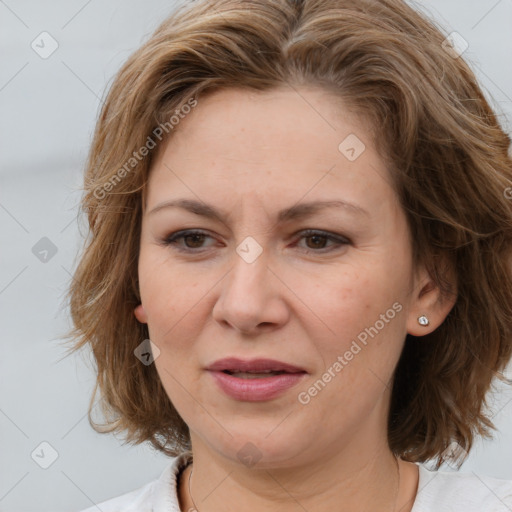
(446, 153)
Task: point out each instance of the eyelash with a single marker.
(172, 239)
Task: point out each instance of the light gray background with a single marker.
(49, 107)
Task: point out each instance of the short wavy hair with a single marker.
(446, 152)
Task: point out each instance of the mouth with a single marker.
(253, 368)
(255, 375)
(256, 380)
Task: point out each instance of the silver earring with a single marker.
(423, 320)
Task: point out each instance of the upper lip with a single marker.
(234, 364)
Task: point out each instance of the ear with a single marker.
(140, 314)
(428, 300)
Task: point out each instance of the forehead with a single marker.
(282, 143)
(277, 117)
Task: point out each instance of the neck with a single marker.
(371, 485)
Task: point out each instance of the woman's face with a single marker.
(252, 285)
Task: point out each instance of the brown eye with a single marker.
(193, 240)
(320, 238)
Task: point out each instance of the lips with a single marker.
(256, 380)
(232, 365)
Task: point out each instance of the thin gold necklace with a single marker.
(394, 506)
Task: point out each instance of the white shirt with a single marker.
(438, 491)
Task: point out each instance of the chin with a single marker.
(260, 450)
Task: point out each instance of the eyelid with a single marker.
(339, 240)
(182, 233)
(327, 234)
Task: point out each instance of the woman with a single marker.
(298, 281)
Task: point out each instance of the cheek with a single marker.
(354, 297)
(167, 293)
(360, 350)
(365, 317)
(177, 304)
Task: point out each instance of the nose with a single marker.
(251, 297)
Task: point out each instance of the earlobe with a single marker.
(430, 307)
(140, 314)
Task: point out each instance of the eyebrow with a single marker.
(296, 212)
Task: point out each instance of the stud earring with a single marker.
(423, 320)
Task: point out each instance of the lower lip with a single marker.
(257, 389)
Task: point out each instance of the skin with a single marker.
(302, 301)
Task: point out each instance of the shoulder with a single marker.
(453, 491)
(159, 495)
